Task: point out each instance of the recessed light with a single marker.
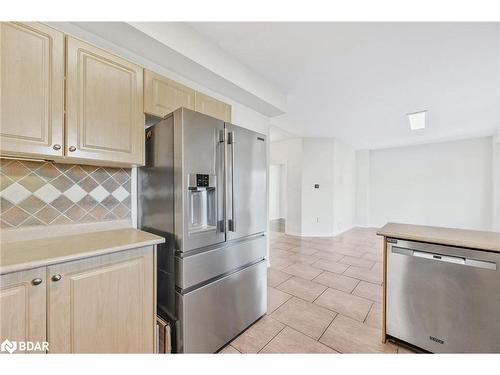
(417, 120)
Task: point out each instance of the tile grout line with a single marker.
(272, 338)
(326, 329)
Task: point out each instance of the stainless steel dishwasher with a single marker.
(443, 299)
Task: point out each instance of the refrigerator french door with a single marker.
(209, 181)
(246, 182)
(199, 167)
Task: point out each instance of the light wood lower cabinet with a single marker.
(22, 306)
(104, 105)
(31, 90)
(162, 95)
(212, 107)
(102, 304)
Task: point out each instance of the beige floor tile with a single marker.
(306, 250)
(258, 335)
(292, 341)
(302, 270)
(308, 318)
(375, 257)
(305, 289)
(374, 317)
(336, 281)
(378, 267)
(322, 247)
(275, 298)
(279, 253)
(302, 258)
(229, 350)
(276, 277)
(372, 276)
(331, 266)
(280, 263)
(344, 303)
(370, 291)
(282, 246)
(347, 335)
(331, 256)
(349, 251)
(359, 262)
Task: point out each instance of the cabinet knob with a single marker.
(36, 281)
(56, 277)
(56, 147)
(72, 148)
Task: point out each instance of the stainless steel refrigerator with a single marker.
(204, 189)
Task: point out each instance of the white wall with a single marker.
(496, 181)
(329, 209)
(317, 204)
(442, 184)
(289, 153)
(275, 191)
(363, 188)
(283, 191)
(344, 187)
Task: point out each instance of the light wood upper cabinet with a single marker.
(212, 107)
(31, 90)
(104, 304)
(162, 95)
(22, 306)
(104, 104)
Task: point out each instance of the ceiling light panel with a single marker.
(417, 120)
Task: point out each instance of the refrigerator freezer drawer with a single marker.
(443, 299)
(214, 314)
(195, 269)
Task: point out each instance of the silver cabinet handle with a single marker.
(36, 281)
(72, 148)
(56, 147)
(56, 277)
(232, 221)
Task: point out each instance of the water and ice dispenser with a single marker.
(202, 200)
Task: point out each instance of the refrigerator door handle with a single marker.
(232, 221)
(221, 145)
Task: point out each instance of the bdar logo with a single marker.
(8, 346)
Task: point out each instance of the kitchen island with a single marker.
(438, 288)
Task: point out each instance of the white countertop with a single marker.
(33, 253)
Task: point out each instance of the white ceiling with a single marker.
(356, 81)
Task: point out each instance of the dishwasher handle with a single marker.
(439, 257)
(445, 258)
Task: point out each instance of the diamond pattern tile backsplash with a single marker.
(44, 193)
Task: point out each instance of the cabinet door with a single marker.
(22, 306)
(105, 118)
(212, 107)
(31, 90)
(162, 95)
(104, 304)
